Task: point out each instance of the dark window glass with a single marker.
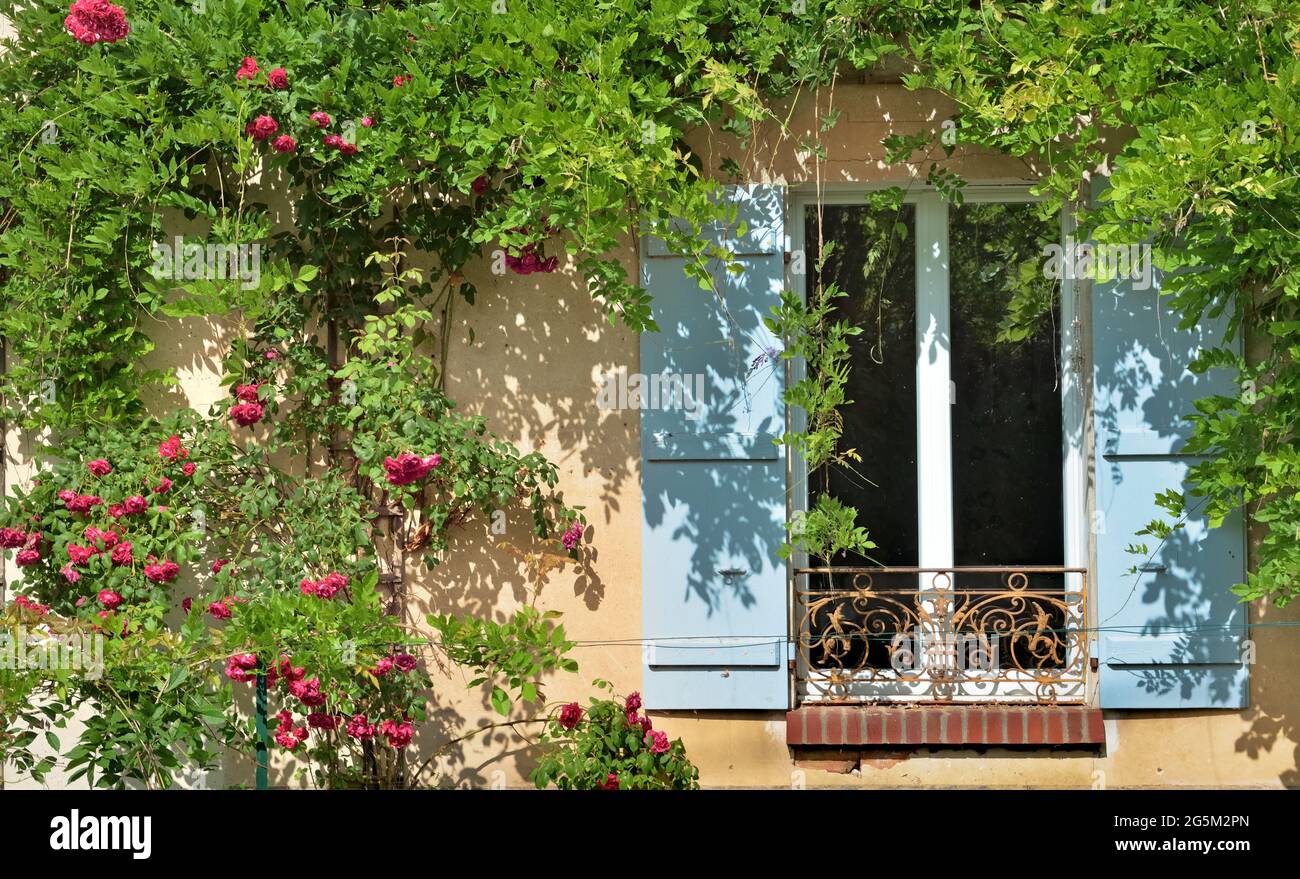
(1006, 415)
(1006, 422)
(874, 262)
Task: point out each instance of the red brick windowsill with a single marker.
(903, 726)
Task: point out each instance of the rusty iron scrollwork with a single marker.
(957, 634)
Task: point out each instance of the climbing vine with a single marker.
(1193, 110)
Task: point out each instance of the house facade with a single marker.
(1001, 633)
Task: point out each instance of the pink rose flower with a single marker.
(289, 671)
(96, 21)
(610, 782)
(117, 511)
(247, 393)
(405, 662)
(262, 127)
(321, 118)
(572, 536)
(99, 467)
(530, 261)
(278, 78)
(658, 742)
(307, 691)
(332, 140)
(238, 674)
(219, 610)
(82, 503)
(135, 504)
(170, 449)
(78, 554)
(12, 538)
(399, 81)
(570, 715)
(319, 720)
(163, 485)
(367, 122)
(121, 554)
(633, 703)
(407, 467)
(27, 557)
(186, 603)
(284, 144)
(188, 468)
(382, 667)
(347, 149)
(359, 728)
(219, 564)
(247, 68)
(109, 599)
(246, 414)
(329, 587)
(70, 574)
(24, 602)
(398, 734)
(161, 572)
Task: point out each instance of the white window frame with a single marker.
(934, 421)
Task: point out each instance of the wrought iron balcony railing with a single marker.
(964, 634)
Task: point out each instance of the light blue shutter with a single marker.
(713, 483)
(1169, 636)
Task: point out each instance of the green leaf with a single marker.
(179, 675)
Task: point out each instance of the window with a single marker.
(966, 422)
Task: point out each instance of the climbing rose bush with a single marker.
(346, 689)
(101, 537)
(205, 568)
(611, 745)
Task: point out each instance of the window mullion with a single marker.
(933, 387)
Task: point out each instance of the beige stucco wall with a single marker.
(539, 345)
